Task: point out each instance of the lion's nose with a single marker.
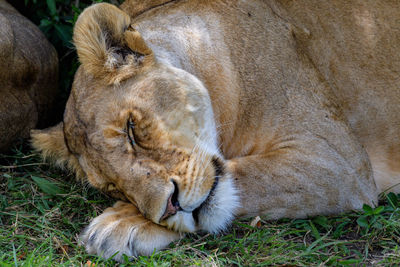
(172, 204)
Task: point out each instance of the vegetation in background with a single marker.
(43, 210)
(56, 18)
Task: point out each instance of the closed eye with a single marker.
(130, 129)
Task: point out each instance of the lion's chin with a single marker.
(214, 216)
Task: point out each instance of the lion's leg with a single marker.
(385, 161)
(122, 229)
(304, 178)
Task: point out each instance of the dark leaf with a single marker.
(47, 187)
(367, 209)
(51, 4)
(64, 32)
(378, 210)
(363, 221)
(393, 200)
(321, 220)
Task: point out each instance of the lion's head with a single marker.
(141, 129)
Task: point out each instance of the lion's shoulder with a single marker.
(136, 7)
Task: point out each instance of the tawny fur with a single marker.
(97, 32)
(300, 121)
(50, 143)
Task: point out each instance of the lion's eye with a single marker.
(130, 129)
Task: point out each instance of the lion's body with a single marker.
(265, 62)
(295, 103)
(353, 46)
(28, 76)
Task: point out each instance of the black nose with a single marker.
(172, 203)
(174, 198)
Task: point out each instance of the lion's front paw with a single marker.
(123, 230)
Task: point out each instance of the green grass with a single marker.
(43, 210)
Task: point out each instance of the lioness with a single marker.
(28, 76)
(197, 112)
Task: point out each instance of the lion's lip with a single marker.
(169, 210)
(173, 205)
(219, 172)
(206, 201)
(172, 209)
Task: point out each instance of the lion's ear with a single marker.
(107, 45)
(50, 143)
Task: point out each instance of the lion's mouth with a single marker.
(173, 206)
(217, 208)
(219, 172)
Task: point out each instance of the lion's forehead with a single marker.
(163, 95)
